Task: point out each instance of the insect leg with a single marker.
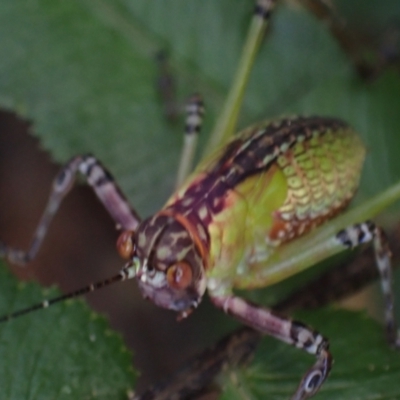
(366, 232)
(226, 124)
(194, 119)
(318, 246)
(292, 332)
(340, 282)
(105, 188)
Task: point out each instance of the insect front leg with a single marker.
(292, 332)
(103, 185)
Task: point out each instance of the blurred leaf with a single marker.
(64, 352)
(368, 15)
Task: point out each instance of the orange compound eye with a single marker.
(179, 275)
(125, 244)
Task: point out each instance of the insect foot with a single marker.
(315, 377)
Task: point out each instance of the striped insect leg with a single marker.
(194, 120)
(366, 232)
(103, 185)
(292, 332)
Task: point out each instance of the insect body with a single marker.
(272, 183)
(227, 223)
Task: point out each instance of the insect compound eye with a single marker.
(125, 244)
(179, 275)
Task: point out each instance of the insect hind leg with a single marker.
(103, 185)
(366, 232)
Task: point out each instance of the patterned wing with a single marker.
(315, 161)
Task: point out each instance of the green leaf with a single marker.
(365, 367)
(64, 352)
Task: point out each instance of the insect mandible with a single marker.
(272, 183)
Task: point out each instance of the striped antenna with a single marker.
(128, 272)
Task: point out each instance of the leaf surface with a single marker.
(64, 352)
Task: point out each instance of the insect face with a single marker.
(170, 270)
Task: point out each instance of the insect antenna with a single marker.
(128, 272)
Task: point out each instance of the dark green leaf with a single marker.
(64, 352)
